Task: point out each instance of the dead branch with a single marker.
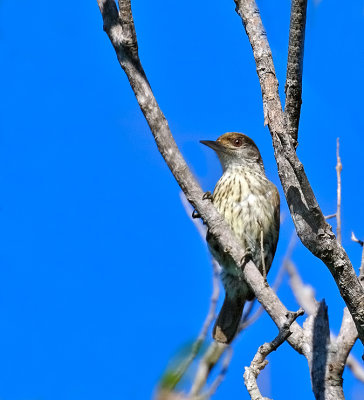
(355, 367)
(339, 168)
(209, 360)
(259, 361)
(220, 377)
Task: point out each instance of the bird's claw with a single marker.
(195, 214)
(247, 256)
(207, 196)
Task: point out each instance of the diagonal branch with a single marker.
(311, 226)
(176, 163)
(293, 86)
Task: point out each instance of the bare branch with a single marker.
(345, 339)
(312, 228)
(225, 365)
(339, 168)
(249, 319)
(259, 361)
(293, 86)
(209, 360)
(208, 321)
(304, 293)
(355, 367)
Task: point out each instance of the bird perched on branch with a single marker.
(250, 204)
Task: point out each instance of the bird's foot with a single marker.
(247, 256)
(207, 196)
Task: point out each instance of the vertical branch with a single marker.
(339, 168)
(293, 86)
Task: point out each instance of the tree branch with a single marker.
(220, 377)
(174, 159)
(209, 360)
(311, 226)
(355, 367)
(339, 168)
(293, 86)
(259, 361)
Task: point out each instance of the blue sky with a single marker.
(104, 278)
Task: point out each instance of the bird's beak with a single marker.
(213, 145)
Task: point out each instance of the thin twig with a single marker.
(209, 360)
(206, 325)
(262, 253)
(304, 293)
(355, 367)
(339, 168)
(259, 361)
(330, 216)
(220, 377)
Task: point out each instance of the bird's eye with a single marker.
(237, 142)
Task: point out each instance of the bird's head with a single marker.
(236, 149)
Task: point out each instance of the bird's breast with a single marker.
(244, 199)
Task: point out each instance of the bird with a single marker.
(250, 204)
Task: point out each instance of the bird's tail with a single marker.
(227, 322)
